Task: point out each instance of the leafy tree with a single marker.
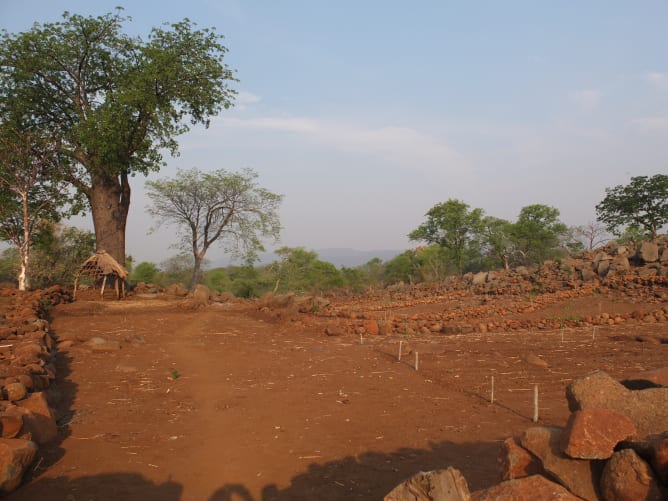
(175, 270)
(497, 239)
(58, 253)
(643, 203)
(300, 270)
(145, 272)
(9, 265)
(431, 263)
(30, 190)
(215, 207)
(400, 268)
(537, 232)
(112, 102)
(452, 226)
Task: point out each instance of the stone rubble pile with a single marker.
(638, 271)
(27, 368)
(614, 447)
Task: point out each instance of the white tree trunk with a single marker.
(24, 248)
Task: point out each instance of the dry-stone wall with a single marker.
(27, 369)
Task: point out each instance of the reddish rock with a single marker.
(577, 475)
(626, 477)
(334, 330)
(15, 456)
(648, 252)
(516, 462)
(371, 327)
(594, 433)
(442, 485)
(647, 409)
(38, 418)
(659, 454)
(525, 489)
(11, 425)
(14, 391)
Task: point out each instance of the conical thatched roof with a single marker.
(102, 264)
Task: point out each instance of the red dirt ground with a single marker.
(229, 403)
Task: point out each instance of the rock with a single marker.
(437, 485)
(626, 477)
(11, 425)
(334, 330)
(371, 327)
(479, 278)
(647, 409)
(15, 457)
(587, 274)
(659, 455)
(176, 290)
(101, 344)
(594, 433)
(15, 391)
(648, 252)
(656, 376)
(577, 475)
(525, 489)
(201, 296)
(536, 361)
(516, 462)
(602, 267)
(38, 418)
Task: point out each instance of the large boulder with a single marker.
(648, 252)
(626, 477)
(514, 461)
(38, 418)
(577, 475)
(647, 409)
(525, 489)
(437, 485)
(15, 457)
(594, 433)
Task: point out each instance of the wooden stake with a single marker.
(400, 343)
(416, 360)
(361, 339)
(535, 403)
(562, 335)
(491, 397)
(593, 334)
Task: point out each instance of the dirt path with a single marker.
(222, 404)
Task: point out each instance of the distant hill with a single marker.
(352, 257)
(337, 256)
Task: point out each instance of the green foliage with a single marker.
(58, 253)
(641, 204)
(175, 270)
(111, 102)
(537, 232)
(400, 269)
(300, 270)
(144, 272)
(9, 265)
(497, 240)
(220, 207)
(454, 227)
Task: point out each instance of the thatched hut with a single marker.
(101, 266)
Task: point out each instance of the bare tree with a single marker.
(593, 233)
(219, 206)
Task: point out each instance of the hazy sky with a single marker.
(364, 114)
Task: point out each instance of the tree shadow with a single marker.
(372, 475)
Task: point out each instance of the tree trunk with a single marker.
(196, 271)
(24, 248)
(109, 199)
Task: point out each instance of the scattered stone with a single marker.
(659, 454)
(15, 456)
(577, 475)
(102, 344)
(516, 462)
(536, 361)
(525, 489)
(594, 433)
(334, 330)
(437, 485)
(626, 477)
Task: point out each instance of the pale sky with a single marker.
(365, 114)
